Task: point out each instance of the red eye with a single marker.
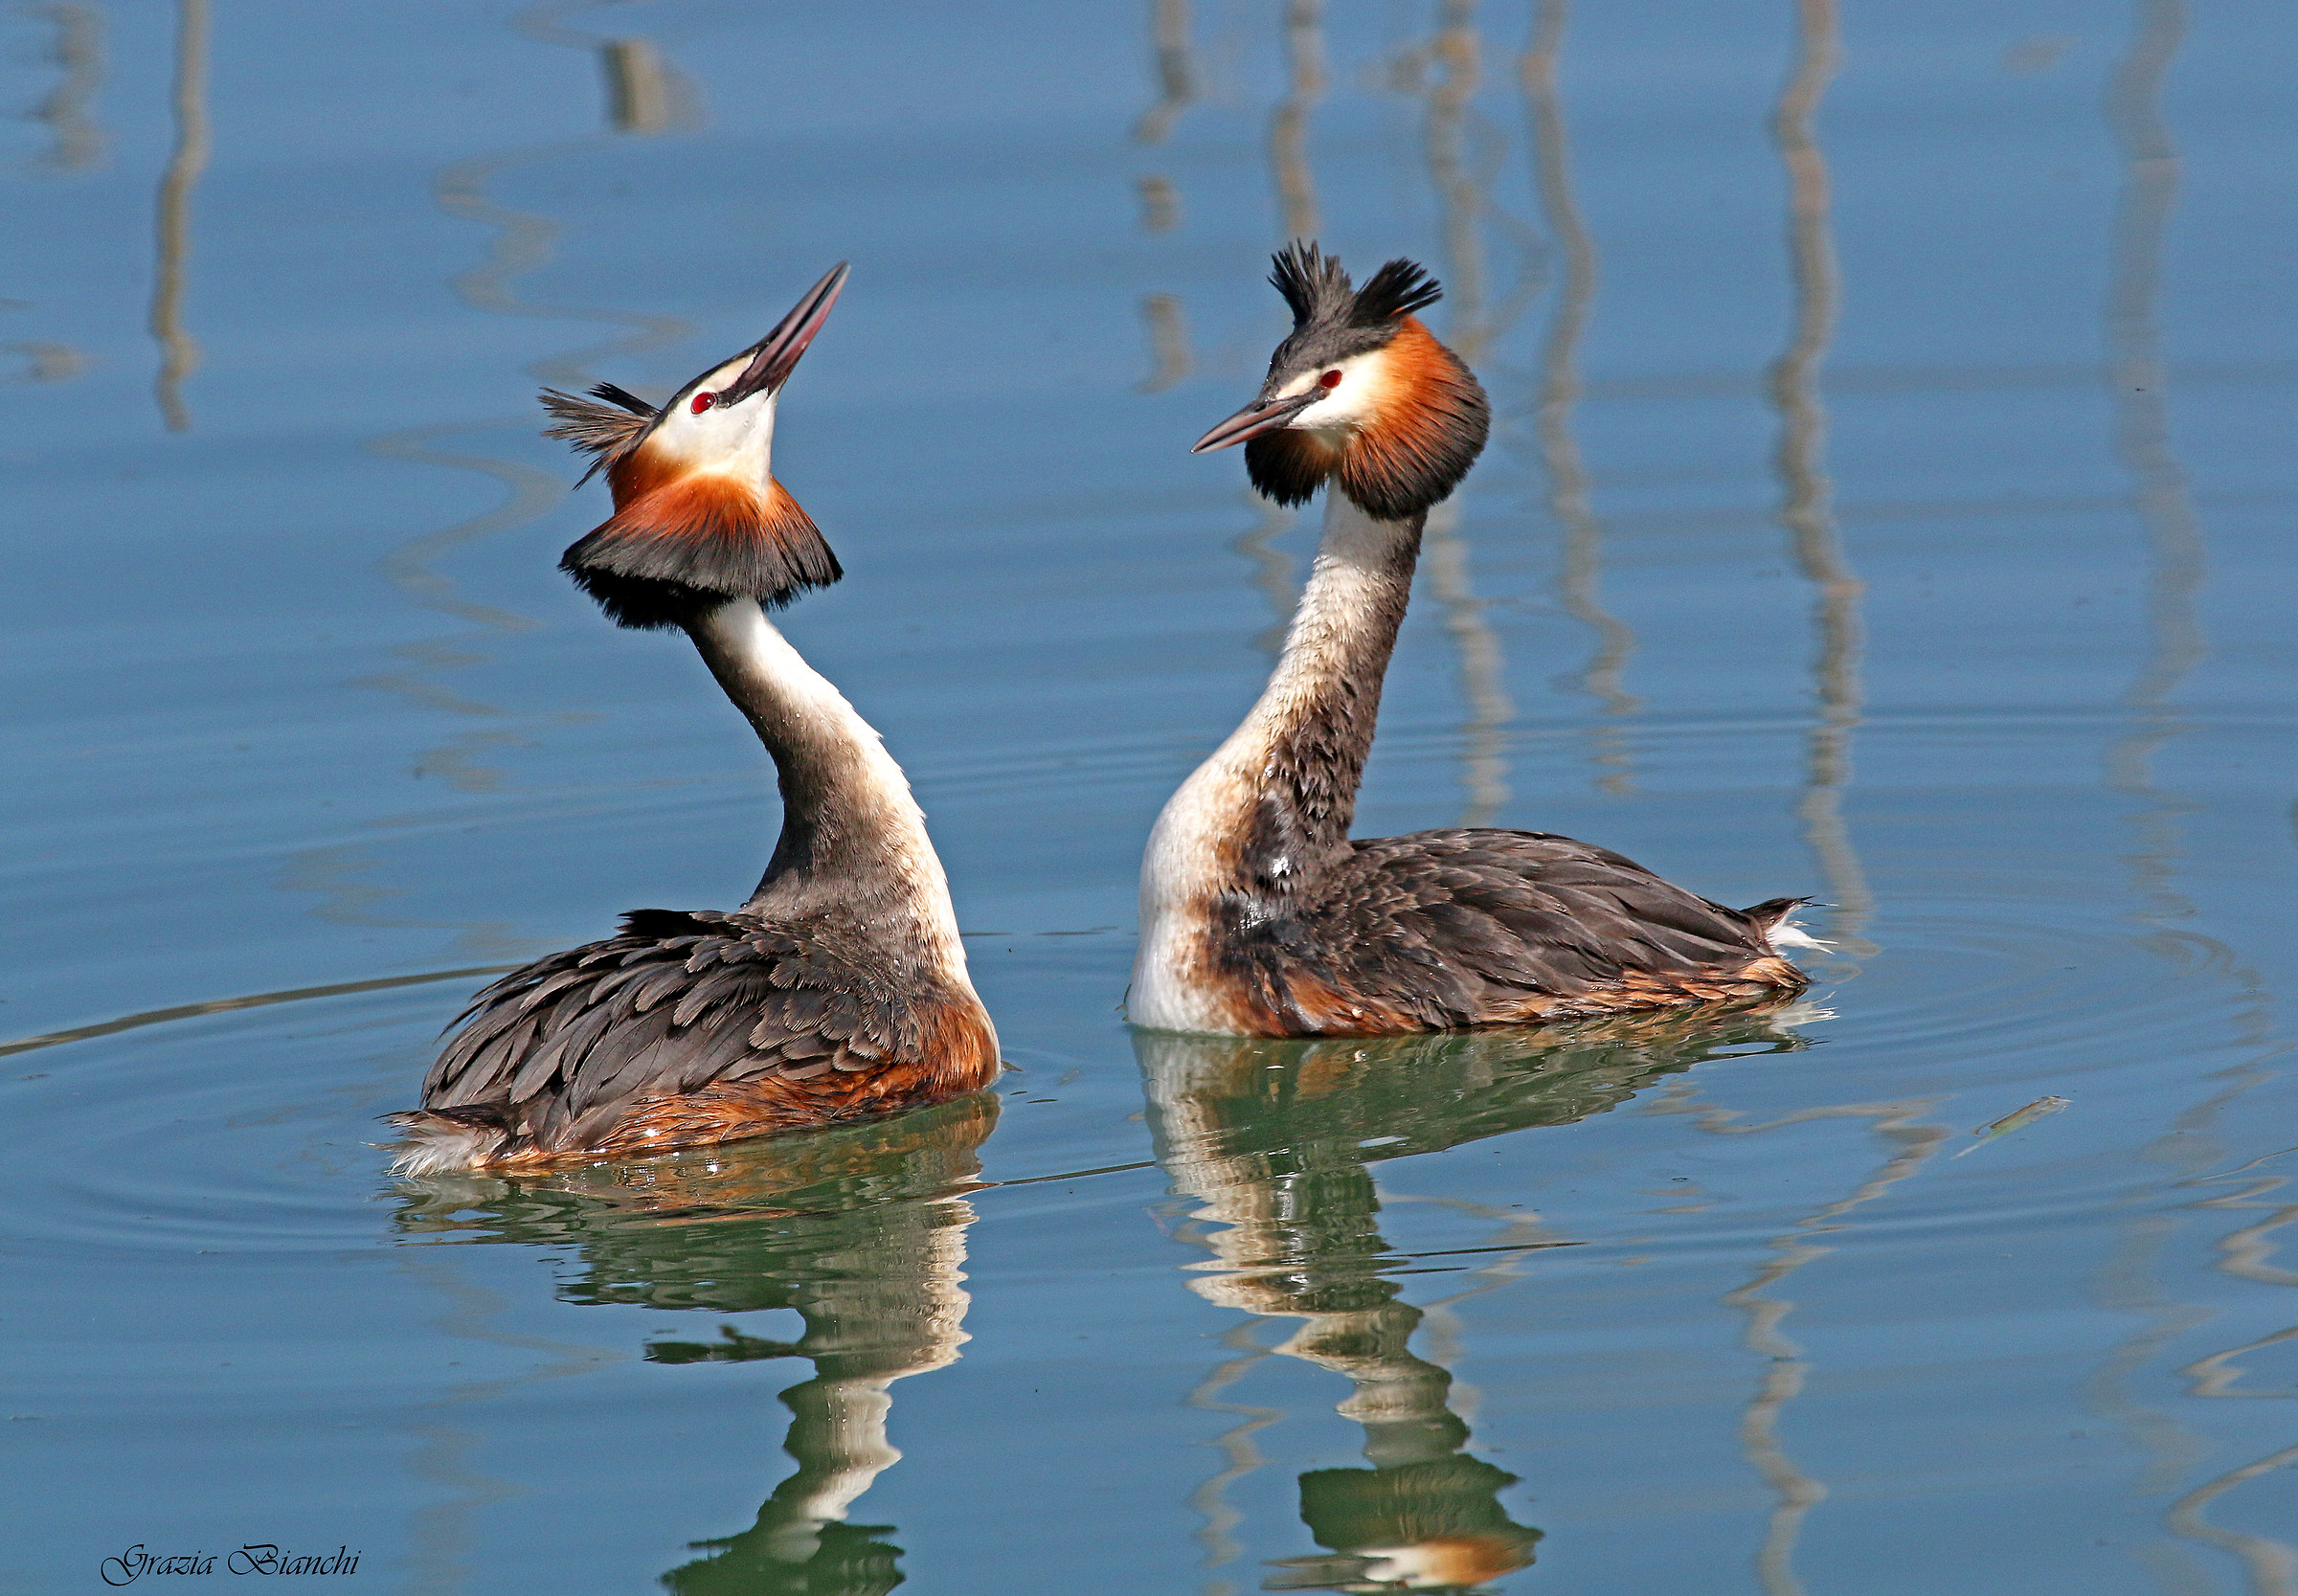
(703, 401)
(1330, 380)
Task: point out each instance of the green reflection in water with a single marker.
(1274, 1141)
(861, 1230)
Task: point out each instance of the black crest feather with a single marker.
(1321, 294)
(605, 432)
(1313, 283)
(616, 393)
(1397, 289)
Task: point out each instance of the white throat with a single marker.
(735, 440)
(1189, 860)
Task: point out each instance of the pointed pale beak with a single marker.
(774, 356)
(1255, 419)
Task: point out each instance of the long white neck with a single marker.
(852, 835)
(1272, 807)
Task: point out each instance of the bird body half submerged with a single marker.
(695, 1028)
(840, 988)
(1260, 916)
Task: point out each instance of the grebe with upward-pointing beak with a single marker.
(1259, 915)
(840, 989)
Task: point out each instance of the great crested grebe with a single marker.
(840, 989)
(1259, 915)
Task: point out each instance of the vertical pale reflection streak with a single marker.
(1796, 1491)
(179, 352)
(1169, 329)
(646, 92)
(1168, 343)
(2139, 386)
(1461, 200)
(1570, 483)
(1296, 180)
(2139, 383)
(1461, 196)
(77, 54)
(1807, 509)
(1288, 127)
(1176, 87)
(1805, 512)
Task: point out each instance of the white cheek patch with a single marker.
(737, 437)
(1355, 400)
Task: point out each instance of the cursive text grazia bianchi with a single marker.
(135, 1562)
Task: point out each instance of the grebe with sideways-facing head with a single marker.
(1259, 915)
(840, 989)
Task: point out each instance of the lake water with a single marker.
(1889, 501)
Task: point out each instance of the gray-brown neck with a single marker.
(852, 835)
(1262, 819)
(1274, 803)
(1314, 722)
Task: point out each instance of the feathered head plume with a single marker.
(604, 432)
(699, 518)
(1358, 393)
(1321, 296)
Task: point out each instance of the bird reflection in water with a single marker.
(858, 1229)
(1270, 1140)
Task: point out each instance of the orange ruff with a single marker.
(703, 507)
(1425, 394)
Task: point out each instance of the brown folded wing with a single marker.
(1443, 929)
(695, 1028)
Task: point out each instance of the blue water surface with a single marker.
(1888, 502)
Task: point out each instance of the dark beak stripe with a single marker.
(1255, 420)
(774, 356)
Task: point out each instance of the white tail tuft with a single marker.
(435, 1144)
(1787, 933)
(1783, 932)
